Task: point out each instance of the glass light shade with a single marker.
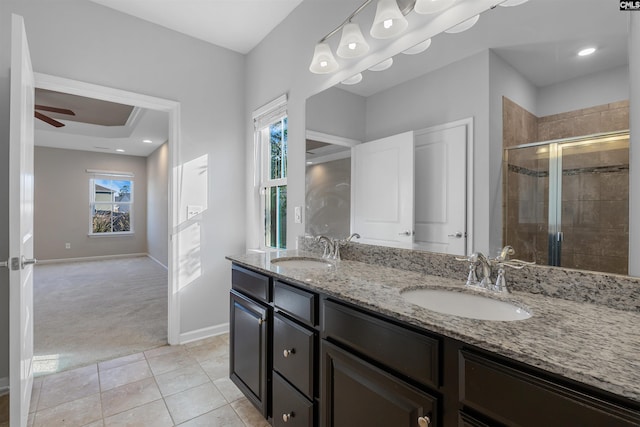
(387, 63)
(425, 7)
(464, 25)
(510, 3)
(389, 20)
(419, 48)
(323, 61)
(353, 80)
(352, 44)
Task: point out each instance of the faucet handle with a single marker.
(473, 258)
(518, 264)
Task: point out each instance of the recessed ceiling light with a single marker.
(147, 141)
(119, 150)
(382, 65)
(587, 51)
(309, 163)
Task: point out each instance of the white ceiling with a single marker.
(238, 25)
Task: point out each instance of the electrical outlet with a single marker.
(298, 214)
(67, 245)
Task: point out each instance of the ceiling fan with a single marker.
(48, 119)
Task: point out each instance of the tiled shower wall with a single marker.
(595, 200)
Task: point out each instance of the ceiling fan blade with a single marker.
(55, 110)
(47, 119)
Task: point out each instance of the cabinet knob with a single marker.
(424, 421)
(287, 353)
(287, 417)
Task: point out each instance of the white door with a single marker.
(20, 226)
(441, 189)
(382, 191)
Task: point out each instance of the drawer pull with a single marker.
(287, 353)
(287, 417)
(424, 421)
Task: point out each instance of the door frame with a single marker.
(75, 87)
(468, 123)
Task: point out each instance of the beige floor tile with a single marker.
(181, 379)
(194, 402)
(165, 349)
(209, 351)
(248, 413)
(216, 368)
(223, 338)
(221, 417)
(129, 396)
(152, 414)
(228, 389)
(68, 386)
(99, 423)
(76, 413)
(170, 362)
(116, 377)
(120, 361)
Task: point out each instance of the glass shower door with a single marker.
(566, 203)
(592, 205)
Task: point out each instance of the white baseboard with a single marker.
(4, 386)
(157, 262)
(199, 334)
(90, 258)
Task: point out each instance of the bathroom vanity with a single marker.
(339, 346)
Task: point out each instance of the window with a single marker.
(111, 205)
(271, 137)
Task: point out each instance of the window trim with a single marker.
(111, 175)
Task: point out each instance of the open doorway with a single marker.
(104, 239)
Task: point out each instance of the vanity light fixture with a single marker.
(323, 60)
(509, 3)
(463, 26)
(425, 7)
(384, 65)
(419, 48)
(353, 80)
(389, 21)
(587, 51)
(352, 44)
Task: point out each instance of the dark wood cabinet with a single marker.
(306, 359)
(356, 393)
(248, 349)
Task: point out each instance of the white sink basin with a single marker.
(302, 262)
(465, 305)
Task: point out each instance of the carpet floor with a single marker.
(91, 311)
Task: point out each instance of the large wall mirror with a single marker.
(487, 111)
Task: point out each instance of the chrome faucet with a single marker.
(479, 259)
(338, 243)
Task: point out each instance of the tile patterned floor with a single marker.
(184, 385)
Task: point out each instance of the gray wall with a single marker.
(81, 40)
(337, 112)
(158, 204)
(62, 204)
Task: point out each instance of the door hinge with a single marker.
(4, 264)
(15, 263)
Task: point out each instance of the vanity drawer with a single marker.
(300, 304)
(407, 352)
(514, 397)
(293, 353)
(250, 283)
(290, 408)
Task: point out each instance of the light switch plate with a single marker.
(298, 214)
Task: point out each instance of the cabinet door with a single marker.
(248, 349)
(355, 393)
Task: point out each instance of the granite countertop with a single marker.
(594, 344)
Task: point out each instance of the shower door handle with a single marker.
(559, 236)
